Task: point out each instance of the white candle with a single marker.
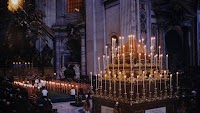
(123, 61)
(142, 40)
(123, 49)
(19, 65)
(137, 83)
(161, 62)
(99, 63)
(131, 61)
(14, 65)
(160, 82)
(109, 78)
(165, 79)
(170, 80)
(119, 80)
(113, 63)
(91, 79)
(105, 81)
(167, 62)
(139, 62)
(138, 48)
(143, 79)
(106, 47)
(131, 81)
(114, 83)
(118, 62)
(108, 63)
(145, 62)
(156, 61)
(101, 77)
(103, 62)
(119, 45)
(151, 59)
(29, 65)
(96, 81)
(124, 83)
(155, 78)
(159, 51)
(149, 82)
(177, 79)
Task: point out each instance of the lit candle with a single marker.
(160, 81)
(137, 83)
(155, 78)
(142, 40)
(114, 83)
(99, 63)
(151, 59)
(14, 65)
(119, 45)
(139, 62)
(29, 65)
(156, 61)
(19, 65)
(108, 63)
(145, 62)
(124, 83)
(138, 48)
(165, 79)
(118, 62)
(143, 79)
(106, 51)
(131, 81)
(119, 80)
(123, 49)
(177, 79)
(113, 63)
(149, 82)
(161, 62)
(159, 51)
(96, 82)
(101, 77)
(109, 78)
(170, 80)
(105, 81)
(103, 62)
(131, 61)
(123, 61)
(91, 79)
(167, 62)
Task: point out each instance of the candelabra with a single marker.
(125, 98)
(171, 91)
(101, 93)
(165, 94)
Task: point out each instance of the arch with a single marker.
(174, 47)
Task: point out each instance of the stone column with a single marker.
(83, 53)
(57, 52)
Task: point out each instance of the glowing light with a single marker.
(14, 2)
(14, 5)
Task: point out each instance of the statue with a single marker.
(77, 71)
(62, 76)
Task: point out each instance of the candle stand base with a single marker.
(137, 98)
(155, 94)
(96, 92)
(131, 98)
(125, 98)
(114, 95)
(171, 90)
(165, 94)
(149, 98)
(161, 95)
(91, 91)
(101, 93)
(109, 92)
(143, 94)
(120, 95)
(177, 92)
(105, 94)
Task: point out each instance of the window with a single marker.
(74, 5)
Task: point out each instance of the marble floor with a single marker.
(65, 107)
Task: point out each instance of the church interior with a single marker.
(99, 56)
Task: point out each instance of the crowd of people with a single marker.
(15, 100)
